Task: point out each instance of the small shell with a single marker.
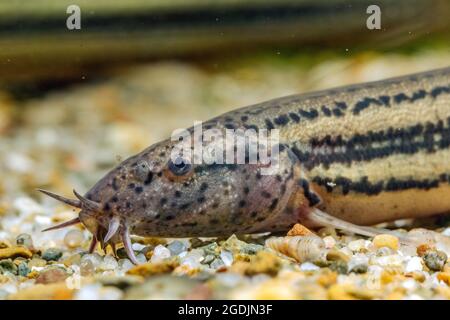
(301, 248)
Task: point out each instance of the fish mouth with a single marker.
(117, 228)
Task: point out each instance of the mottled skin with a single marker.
(208, 200)
(348, 151)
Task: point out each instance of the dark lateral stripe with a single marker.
(360, 147)
(363, 186)
(340, 108)
(167, 19)
(312, 197)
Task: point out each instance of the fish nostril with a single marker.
(142, 171)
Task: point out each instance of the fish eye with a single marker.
(179, 167)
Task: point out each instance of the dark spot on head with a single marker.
(242, 203)
(215, 205)
(114, 184)
(201, 199)
(149, 178)
(184, 206)
(131, 185)
(138, 189)
(177, 194)
(273, 204)
(246, 190)
(128, 204)
(253, 214)
(114, 199)
(163, 201)
(169, 217)
(106, 207)
(159, 174)
(258, 175)
(203, 187)
(266, 194)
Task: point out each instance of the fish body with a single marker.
(36, 43)
(348, 156)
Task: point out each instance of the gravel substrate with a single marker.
(70, 138)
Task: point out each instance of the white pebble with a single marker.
(108, 263)
(308, 266)
(95, 259)
(73, 238)
(414, 264)
(141, 258)
(329, 242)
(160, 253)
(137, 246)
(217, 263)
(391, 260)
(193, 258)
(446, 232)
(358, 245)
(409, 284)
(125, 265)
(97, 292)
(227, 257)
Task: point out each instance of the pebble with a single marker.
(52, 254)
(37, 262)
(108, 263)
(329, 241)
(52, 275)
(125, 265)
(414, 264)
(14, 252)
(176, 247)
(208, 259)
(308, 266)
(74, 238)
(160, 253)
(74, 259)
(358, 245)
(217, 263)
(227, 257)
(25, 240)
(95, 258)
(138, 246)
(23, 269)
(384, 251)
(193, 258)
(98, 292)
(339, 266)
(446, 232)
(141, 258)
(87, 268)
(299, 230)
(435, 260)
(7, 265)
(386, 240)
